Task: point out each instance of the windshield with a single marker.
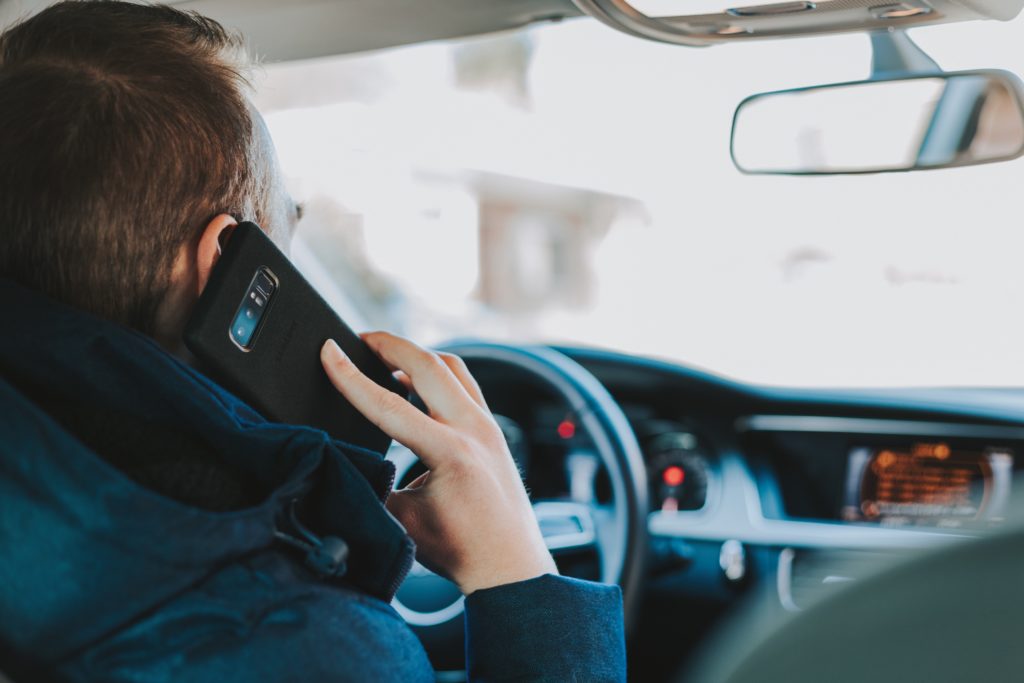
(570, 184)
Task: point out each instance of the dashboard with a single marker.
(788, 491)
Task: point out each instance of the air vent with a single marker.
(806, 577)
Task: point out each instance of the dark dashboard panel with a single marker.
(911, 479)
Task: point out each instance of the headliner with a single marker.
(317, 28)
(281, 30)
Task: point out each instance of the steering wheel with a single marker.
(616, 530)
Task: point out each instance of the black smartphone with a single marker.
(257, 330)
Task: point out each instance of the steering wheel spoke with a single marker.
(566, 526)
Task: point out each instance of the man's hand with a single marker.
(469, 514)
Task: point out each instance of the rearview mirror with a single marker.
(918, 122)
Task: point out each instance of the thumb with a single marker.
(404, 506)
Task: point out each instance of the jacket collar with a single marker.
(115, 535)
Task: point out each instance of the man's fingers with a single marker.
(386, 409)
(458, 368)
(404, 380)
(462, 373)
(441, 391)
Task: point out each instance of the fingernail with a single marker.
(332, 352)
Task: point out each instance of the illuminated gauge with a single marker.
(678, 474)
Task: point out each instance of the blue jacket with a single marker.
(107, 577)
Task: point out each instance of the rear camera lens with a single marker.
(244, 326)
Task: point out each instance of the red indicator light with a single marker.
(566, 429)
(674, 475)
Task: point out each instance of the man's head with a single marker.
(128, 149)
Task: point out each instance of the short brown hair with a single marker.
(124, 129)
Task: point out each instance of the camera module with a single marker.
(253, 309)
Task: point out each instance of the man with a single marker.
(153, 527)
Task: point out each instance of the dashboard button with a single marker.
(732, 558)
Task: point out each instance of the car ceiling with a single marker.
(300, 29)
(325, 27)
(284, 30)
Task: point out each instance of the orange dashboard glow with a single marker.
(925, 481)
(932, 450)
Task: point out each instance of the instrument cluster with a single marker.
(679, 470)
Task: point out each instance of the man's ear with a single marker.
(215, 236)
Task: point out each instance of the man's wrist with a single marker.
(509, 575)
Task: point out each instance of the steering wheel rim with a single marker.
(601, 418)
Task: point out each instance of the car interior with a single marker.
(738, 285)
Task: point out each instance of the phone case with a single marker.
(280, 373)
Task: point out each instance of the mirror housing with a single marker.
(900, 123)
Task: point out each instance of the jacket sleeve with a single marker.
(551, 628)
